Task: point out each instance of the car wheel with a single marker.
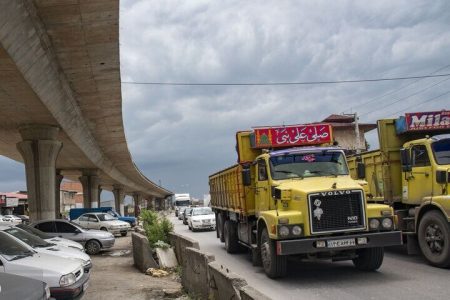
(104, 229)
(123, 233)
(92, 247)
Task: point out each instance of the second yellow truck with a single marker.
(290, 194)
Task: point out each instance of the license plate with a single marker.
(85, 286)
(341, 243)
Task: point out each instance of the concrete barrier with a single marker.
(249, 293)
(142, 252)
(180, 243)
(224, 284)
(195, 274)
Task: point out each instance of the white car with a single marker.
(65, 277)
(41, 246)
(12, 219)
(103, 221)
(202, 218)
(48, 238)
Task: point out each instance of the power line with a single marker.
(285, 83)
(394, 91)
(421, 103)
(409, 96)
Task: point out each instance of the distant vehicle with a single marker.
(21, 287)
(93, 240)
(202, 218)
(180, 201)
(41, 246)
(25, 219)
(65, 277)
(48, 238)
(181, 212)
(74, 213)
(103, 221)
(186, 214)
(13, 219)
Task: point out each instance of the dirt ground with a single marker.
(113, 276)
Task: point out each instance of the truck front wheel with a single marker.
(274, 265)
(434, 239)
(231, 239)
(369, 259)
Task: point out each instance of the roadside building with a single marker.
(14, 203)
(71, 195)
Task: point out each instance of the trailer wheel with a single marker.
(369, 259)
(434, 239)
(220, 227)
(231, 239)
(274, 265)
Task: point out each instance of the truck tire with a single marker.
(231, 238)
(434, 239)
(274, 265)
(219, 228)
(369, 259)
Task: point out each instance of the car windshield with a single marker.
(302, 165)
(105, 217)
(34, 231)
(182, 203)
(12, 249)
(441, 150)
(28, 238)
(202, 211)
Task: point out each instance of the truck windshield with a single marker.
(302, 165)
(441, 150)
(182, 203)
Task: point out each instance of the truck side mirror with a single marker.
(442, 177)
(361, 170)
(406, 160)
(246, 177)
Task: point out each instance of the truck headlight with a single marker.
(283, 231)
(67, 279)
(296, 230)
(374, 224)
(386, 223)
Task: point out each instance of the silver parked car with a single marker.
(93, 240)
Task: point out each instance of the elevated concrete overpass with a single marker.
(61, 104)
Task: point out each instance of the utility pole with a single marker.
(358, 144)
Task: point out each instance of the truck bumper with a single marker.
(348, 242)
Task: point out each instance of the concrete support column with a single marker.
(89, 180)
(99, 195)
(58, 180)
(151, 203)
(39, 149)
(119, 196)
(137, 197)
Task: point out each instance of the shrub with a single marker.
(157, 228)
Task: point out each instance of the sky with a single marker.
(178, 135)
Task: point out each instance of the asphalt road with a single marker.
(400, 277)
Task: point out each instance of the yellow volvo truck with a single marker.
(290, 194)
(410, 172)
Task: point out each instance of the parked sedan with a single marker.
(103, 221)
(41, 246)
(20, 287)
(65, 277)
(49, 239)
(202, 218)
(93, 240)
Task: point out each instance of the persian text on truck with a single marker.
(280, 201)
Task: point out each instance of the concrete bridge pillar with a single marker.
(90, 182)
(119, 196)
(40, 148)
(137, 197)
(151, 203)
(58, 180)
(99, 195)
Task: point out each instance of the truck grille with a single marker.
(336, 211)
